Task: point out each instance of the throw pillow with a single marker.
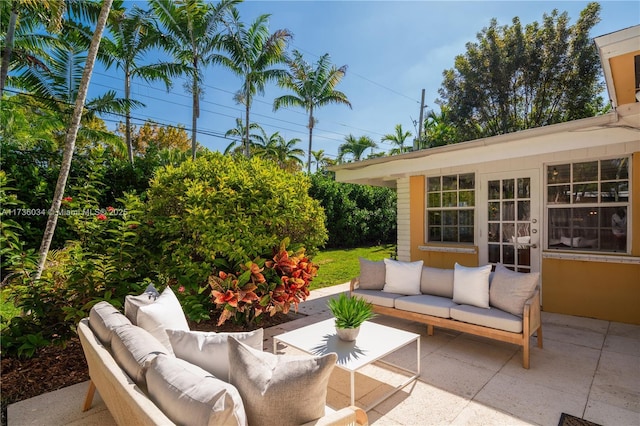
(510, 290)
(132, 348)
(402, 277)
(133, 303)
(471, 285)
(103, 319)
(209, 350)
(165, 313)
(372, 274)
(267, 381)
(437, 282)
(188, 395)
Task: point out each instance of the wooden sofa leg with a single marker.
(89, 398)
(429, 330)
(526, 352)
(539, 334)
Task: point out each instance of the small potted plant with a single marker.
(350, 313)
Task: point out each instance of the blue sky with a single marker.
(393, 49)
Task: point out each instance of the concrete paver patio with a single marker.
(588, 368)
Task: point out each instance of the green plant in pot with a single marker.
(350, 313)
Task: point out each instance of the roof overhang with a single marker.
(620, 57)
(620, 126)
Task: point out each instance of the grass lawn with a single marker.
(339, 266)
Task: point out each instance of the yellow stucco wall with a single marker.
(603, 290)
(623, 73)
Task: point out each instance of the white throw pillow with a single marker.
(402, 277)
(133, 303)
(471, 285)
(165, 313)
(209, 350)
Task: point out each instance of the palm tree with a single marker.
(438, 130)
(133, 35)
(320, 159)
(282, 152)
(70, 140)
(355, 147)
(239, 132)
(191, 29)
(312, 88)
(253, 53)
(398, 138)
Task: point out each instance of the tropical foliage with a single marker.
(354, 148)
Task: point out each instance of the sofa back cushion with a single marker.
(510, 290)
(165, 313)
(437, 282)
(280, 389)
(189, 395)
(209, 350)
(103, 319)
(133, 348)
(402, 277)
(372, 274)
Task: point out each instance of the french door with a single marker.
(509, 220)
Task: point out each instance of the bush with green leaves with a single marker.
(224, 210)
(357, 215)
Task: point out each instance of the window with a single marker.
(450, 208)
(587, 205)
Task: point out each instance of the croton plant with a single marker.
(263, 286)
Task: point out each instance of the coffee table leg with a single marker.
(353, 388)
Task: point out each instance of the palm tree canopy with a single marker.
(398, 138)
(355, 147)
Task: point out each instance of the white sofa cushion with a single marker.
(493, 318)
(378, 297)
(510, 290)
(426, 304)
(471, 285)
(280, 389)
(133, 303)
(372, 274)
(133, 348)
(437, 282)
(189, 395)
(402, 277)
(103, 319)
(209, 350)
(164, 313)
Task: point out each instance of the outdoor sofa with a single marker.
(144, 382)
(503, 305)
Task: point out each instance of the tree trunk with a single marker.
(70, 141)
(194, 116)
(8, 47)
(127, 95)
(311, 123)
(247, 148)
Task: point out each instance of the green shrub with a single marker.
(220, 210)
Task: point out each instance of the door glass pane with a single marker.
(524, 210)
(494, 253)
(508, 189)
(494, 232)
(508, 255)
(524, 256)
(508, 233)
(524, 188)
(494, 190)
(508, 212)
(494, 211)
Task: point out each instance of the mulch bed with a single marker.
(55, 367)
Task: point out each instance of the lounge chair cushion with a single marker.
(510, 290)
(133, 303)
(189, 395)
(437, 282)
(426, 304)
(372, 274)
(378, 297)
(209, 350)
(164, 313)
(103, 319)
(402, 277)
(493, 318)
(280, 389)
(471, 285)
(132, 348)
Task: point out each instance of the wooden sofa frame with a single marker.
(531, 324)
(129, 405)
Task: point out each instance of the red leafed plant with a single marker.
(263, 286)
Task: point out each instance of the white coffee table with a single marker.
(374, 342)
